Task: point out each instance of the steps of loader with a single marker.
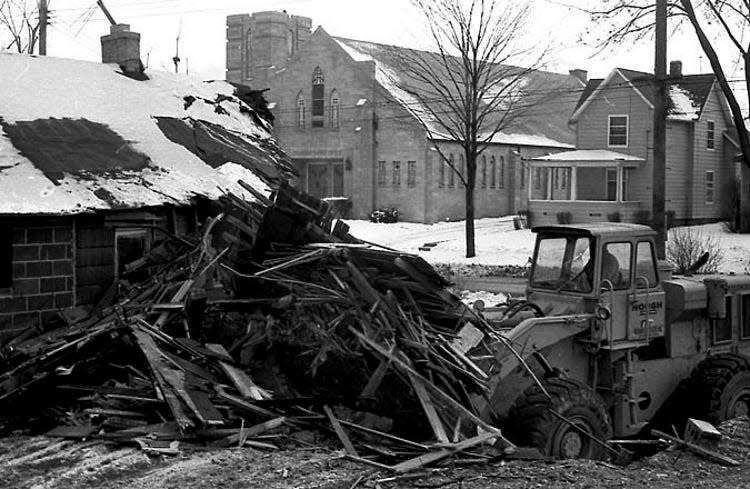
(624, 345)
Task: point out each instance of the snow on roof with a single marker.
(682, 106)
(77, 136)
(588, 155)
(547, 128)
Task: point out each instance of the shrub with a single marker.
(614, 217)
(686, 245)
(564, 217)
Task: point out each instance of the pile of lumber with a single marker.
(264, 324)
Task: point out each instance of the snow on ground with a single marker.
(499, 243)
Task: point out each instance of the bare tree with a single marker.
(468, 90)
(715, 22)
(19, 19)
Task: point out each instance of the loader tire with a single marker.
(531, 424)
(721, 388)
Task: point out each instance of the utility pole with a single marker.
(43, 27)
(660, 130)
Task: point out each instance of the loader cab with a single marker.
(607, 268)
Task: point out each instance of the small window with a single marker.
(382, 177)
(618, 130)
(711, 135)
(745, 319)
(484, 171)
(6, 257)
(411, 173)
(396, 180)
(709, 187)
(645, 266)
(441, 176)
(451, 171)
(300, 110)
(616, 265)
(333, 111)
(611, 184)
(493, 171)
(722, 327)
(130, 245)
(461, 169)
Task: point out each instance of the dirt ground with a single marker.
(45, 463)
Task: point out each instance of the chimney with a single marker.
(675, 69)
(123, 47)
(582, 75)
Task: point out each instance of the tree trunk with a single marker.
(470, 248)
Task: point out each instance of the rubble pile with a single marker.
(265, 323)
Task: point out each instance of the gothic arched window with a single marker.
(318, 97)
(493, 170)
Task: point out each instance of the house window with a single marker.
(502, 173)
(6, 257)
(382, 177)
(709, 187)
(452, 172)
(537, 178)
(411, 173)
(493, 172)
(611, 184)
(618, 130)
(484, 171)
(711, 135)
(625, 191)
(441, 176)
(130, 245)
(300, 110)
(318, 102)
(333, 112)
(396, 181)
(564, 178)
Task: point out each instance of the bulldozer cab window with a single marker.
(645, 265)
(561, 264)
(745, 318)
(722, 327)
(616, 264)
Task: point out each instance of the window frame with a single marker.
(129, 232)
(493, 171)
(411, 173)
(334, 110)
(710, 186)
(301, 110)
(382, 173)
(317, 109)
(711, 135)
(609, 130)
(729, 305)
(484, 171)
(451, 171)
(396, 174)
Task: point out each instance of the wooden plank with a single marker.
(348, 446)
(432, 457)
(376, 378)
(239, 378)
(429, 409)
(255, 193)
(242, 404)
(177, 297)
(157, 365)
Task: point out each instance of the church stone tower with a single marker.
(261, 43)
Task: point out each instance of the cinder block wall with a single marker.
(42, 264)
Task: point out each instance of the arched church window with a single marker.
(333, 111)
(318, 97)
(300, 110)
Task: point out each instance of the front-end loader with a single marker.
(606, 342)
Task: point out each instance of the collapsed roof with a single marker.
(77, 136)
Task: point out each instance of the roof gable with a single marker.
(544, 125)
(686, 95)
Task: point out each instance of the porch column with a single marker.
(618, 192)
(530, 173)
(548, 174)
(573, 183)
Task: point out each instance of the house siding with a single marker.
(42, 271)
(711, 160)
(678, 169)
(618, 98)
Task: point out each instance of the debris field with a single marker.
(266, 322)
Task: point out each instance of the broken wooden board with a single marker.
(240, 379)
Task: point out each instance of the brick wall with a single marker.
(42, 265)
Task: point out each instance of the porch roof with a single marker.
(587, 157)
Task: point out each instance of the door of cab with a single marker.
(646, 309)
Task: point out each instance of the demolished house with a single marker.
(99, 164)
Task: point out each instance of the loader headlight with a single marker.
(603, 312)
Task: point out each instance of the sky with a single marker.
(77, 26)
